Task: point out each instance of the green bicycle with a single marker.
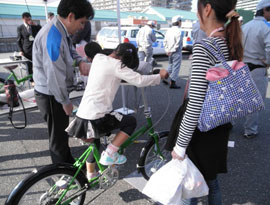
(66, 184)
(12, 76)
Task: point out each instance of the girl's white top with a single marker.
(103, 82)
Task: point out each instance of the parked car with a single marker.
(187, 38)
(107, 37)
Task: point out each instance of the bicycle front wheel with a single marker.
(47, 185)
(150, 161)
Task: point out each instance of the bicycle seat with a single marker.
(10, 67)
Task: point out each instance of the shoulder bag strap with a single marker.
(219, 55)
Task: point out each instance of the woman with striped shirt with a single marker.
(208, 150)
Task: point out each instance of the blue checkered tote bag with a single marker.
(229, 98)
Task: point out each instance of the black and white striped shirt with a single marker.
(202, 60)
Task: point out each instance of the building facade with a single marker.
(180, 4)
(127, 5)
(247, 4)
(140, 5)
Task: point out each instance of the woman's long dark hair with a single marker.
(233, 29)
(128, 54)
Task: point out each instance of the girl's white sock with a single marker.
(111, 149)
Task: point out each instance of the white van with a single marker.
(107, 37)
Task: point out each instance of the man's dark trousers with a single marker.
(57, 121)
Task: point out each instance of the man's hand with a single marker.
(68, 108)
(163, 74)
(265, 64)
(21, 53)
(176, 156)
(84, 68)
(169, 53)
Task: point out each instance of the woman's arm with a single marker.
(197, 92)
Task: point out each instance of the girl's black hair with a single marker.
(129, 55)
(91, 49)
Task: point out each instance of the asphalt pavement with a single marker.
(247, 181)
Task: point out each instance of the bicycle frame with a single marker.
(18, 81)
(13, 76)
(93, 148)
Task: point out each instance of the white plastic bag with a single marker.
(194, 184)
(165, 186)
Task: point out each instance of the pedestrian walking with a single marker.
(173, 43)
(53, 60)
(256, 42)
(144, 39)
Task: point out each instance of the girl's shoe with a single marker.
(91, 175)
(108, 160)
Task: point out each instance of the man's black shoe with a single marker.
(251, 136)
(174, 86)
(165, 82)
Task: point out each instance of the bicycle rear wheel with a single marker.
(150, 161)
(47, 185)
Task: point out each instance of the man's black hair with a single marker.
(26, 15)
(91, 49)
(50, 14)
(80, 8)
(175, 23)
(260, 12)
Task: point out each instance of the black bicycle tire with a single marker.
(46, 171)
(144, 153)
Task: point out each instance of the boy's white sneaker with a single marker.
(108, 160)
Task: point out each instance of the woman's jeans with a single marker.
(214, 196)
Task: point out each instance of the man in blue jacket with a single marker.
(53, 61)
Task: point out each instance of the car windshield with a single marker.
(159, 35)
(114, 33)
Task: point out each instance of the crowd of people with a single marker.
(52, 51)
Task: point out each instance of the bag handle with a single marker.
(11, 90)
(219, 55)
(11, 113)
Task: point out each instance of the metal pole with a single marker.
(119, 38)
(124, 109)
(46, 10)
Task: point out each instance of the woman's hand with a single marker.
(163, 74)
(176, 156)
